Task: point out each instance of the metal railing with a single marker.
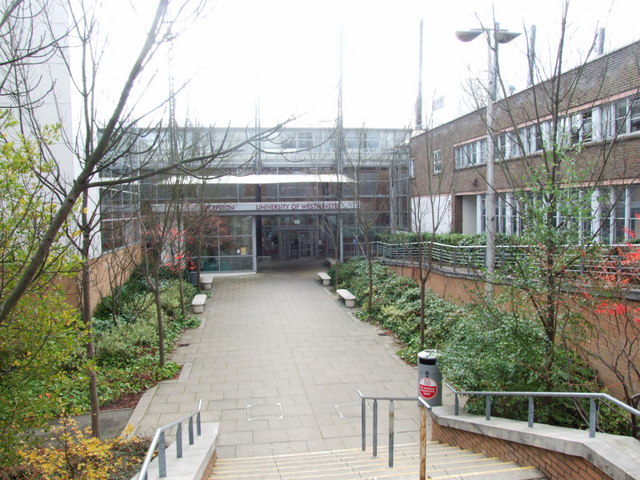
(159, 442)
(471, 258)
(593, 410)
(424, 406)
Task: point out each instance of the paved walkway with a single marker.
(277, 362)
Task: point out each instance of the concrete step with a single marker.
(443, 462)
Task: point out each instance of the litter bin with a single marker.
(429, 378)
(192, 277)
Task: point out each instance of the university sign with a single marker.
(296, 206)
(274, 208)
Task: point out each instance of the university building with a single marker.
(299, 193)
(596, 119)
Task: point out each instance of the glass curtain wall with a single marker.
(228, 245)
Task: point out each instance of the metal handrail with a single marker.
(363, 411)
(159, 443)
(531, 395)
(472, 257)
(424, 406)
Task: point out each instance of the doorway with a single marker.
(300, 244)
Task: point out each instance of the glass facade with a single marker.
(226, 247)
(286, 197)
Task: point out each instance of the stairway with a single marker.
(443, 462)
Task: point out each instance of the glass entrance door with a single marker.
(304, 240)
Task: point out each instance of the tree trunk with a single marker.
(423, 287)
(156, 297)
(87, 320)
(181, 292)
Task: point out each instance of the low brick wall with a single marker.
(554, 465)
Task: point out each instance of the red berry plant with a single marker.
(611, 296)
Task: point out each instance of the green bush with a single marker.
(396, 306)
(121, 346)
(120, 304)
(501, 352)
(480, 349)
(483, 353)
(126, 349)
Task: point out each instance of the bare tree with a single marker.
(103, 149)
(431, 192)
(555, 156)
(116, 152)
(370, 191)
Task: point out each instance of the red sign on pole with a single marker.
(428, 388)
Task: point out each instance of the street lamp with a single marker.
(495, 36)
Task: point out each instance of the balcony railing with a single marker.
(470, 259)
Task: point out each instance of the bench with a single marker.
(330, 261)
(206, 280)
(326, 279)
(348, 297)
(197, 304)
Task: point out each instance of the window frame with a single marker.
(436, 162)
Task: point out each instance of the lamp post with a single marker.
(495, 36)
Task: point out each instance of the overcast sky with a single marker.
(286, 55)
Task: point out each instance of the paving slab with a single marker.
(278, 361)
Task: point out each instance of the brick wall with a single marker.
(603, 79)
(108, 271)
(553, 464)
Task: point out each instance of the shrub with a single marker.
(121, 346)
(481, 349)
(126, 350)
(501, 352)
(73, 454)
(482, 353)
(396, 306)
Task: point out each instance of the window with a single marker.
(372, 141)
(633, 230)
(620, 117)
(501, 202)
(287, 140)
(437, 162)
(512, 144)
(625, 116)
(523, 141)
(501, 145)
(471, 154)
(474, 153)
(352, 140)
(305, 139)
(586, 128)
(634, 115)
(482, 157)
(458, 154)
(539, 132)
